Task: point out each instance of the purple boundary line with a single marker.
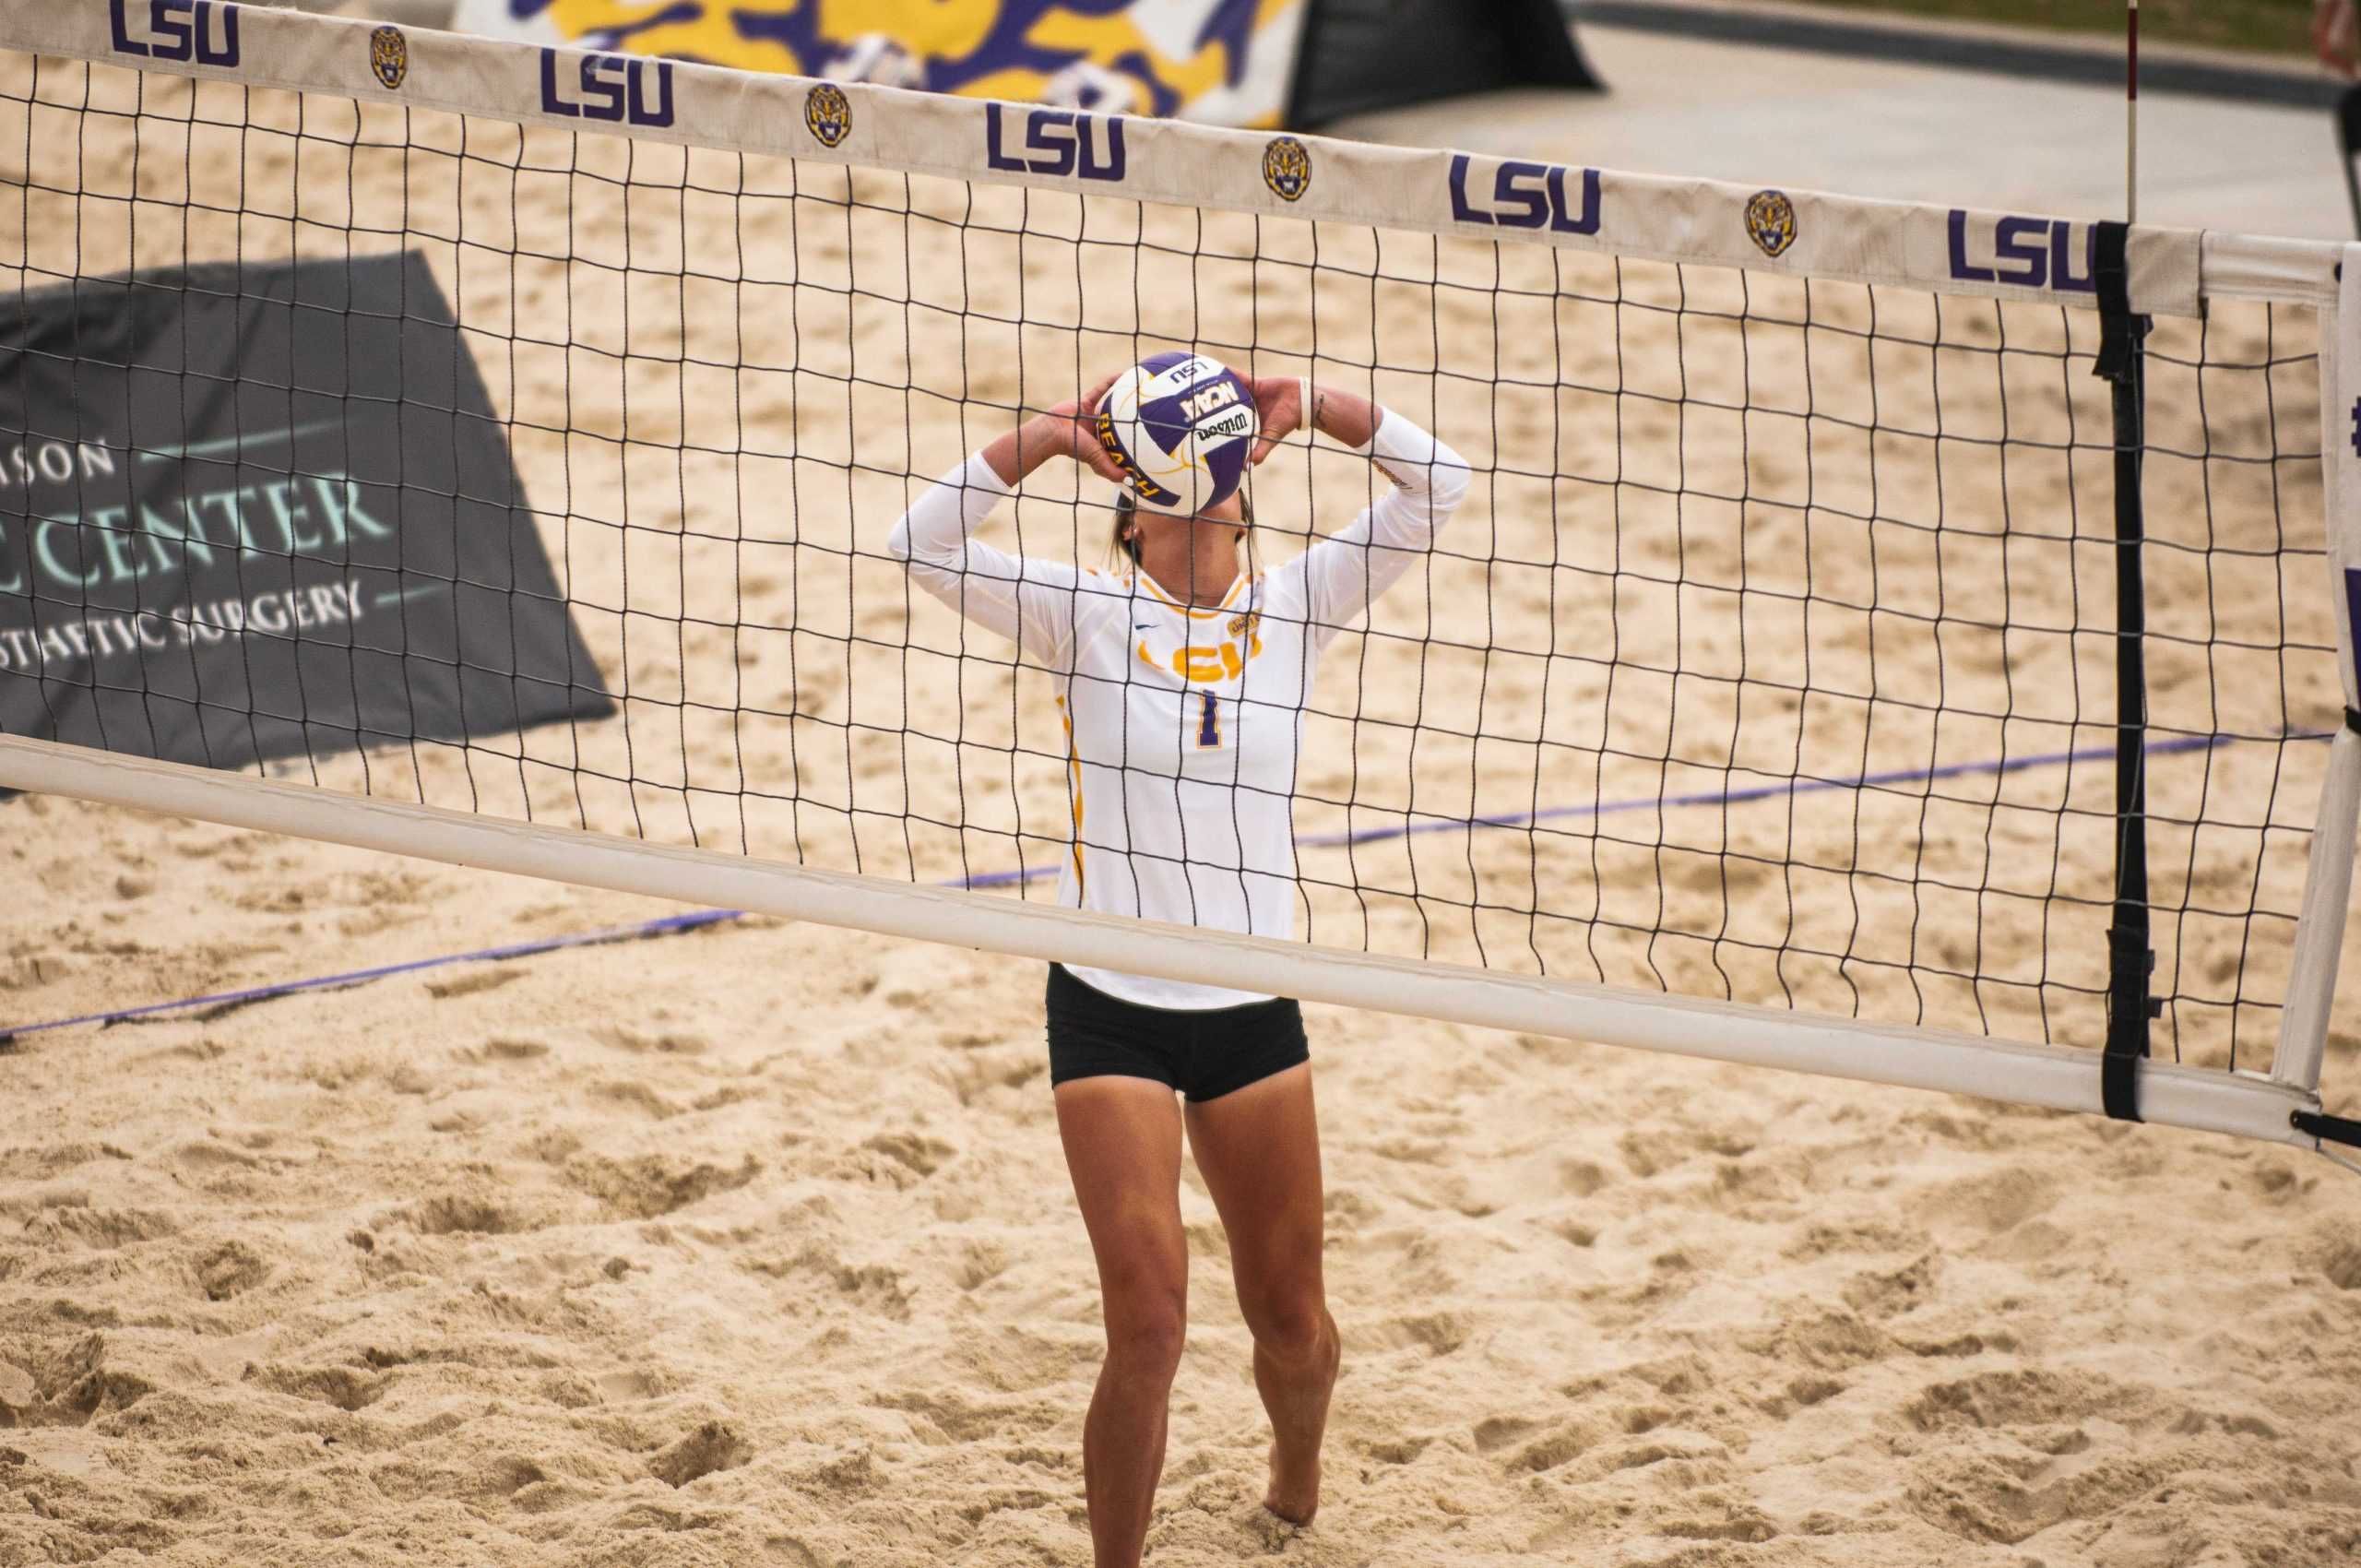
(1705, 798)
(671, 926)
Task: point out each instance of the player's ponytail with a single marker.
(1127, 507)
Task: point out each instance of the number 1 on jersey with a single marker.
(1209, 723)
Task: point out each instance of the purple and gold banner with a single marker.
(1225, 62)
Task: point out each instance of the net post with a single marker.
(2327, 875)
(2320, 923)
(2131, 959)
(2131, 112)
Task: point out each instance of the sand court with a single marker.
(1773, 651)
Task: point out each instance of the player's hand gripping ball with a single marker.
(1182, 427)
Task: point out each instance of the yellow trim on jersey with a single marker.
(1193, 611)
(1073, 766)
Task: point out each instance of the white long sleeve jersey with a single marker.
(1184, 725)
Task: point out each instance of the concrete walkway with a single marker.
(1768, 116)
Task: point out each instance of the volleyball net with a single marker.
(1903, 642)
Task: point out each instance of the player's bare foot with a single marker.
(1295, 1489)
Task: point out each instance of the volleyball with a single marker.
(1181, 426)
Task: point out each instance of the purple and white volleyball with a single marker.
(1181, 426)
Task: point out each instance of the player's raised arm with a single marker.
(1025, 599)
(1346, 572)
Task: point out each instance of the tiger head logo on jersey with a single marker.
(1287, 168)
(1770, 221)
(828, 113)
(389, 56)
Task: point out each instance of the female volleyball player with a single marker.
(1183, 680)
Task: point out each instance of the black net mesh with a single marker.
(1771, 657)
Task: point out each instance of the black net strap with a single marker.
(2131, 957)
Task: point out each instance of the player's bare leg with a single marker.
(1123, 1142)
(1259, 1152)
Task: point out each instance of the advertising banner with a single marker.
(253, 512)
(1225, 62)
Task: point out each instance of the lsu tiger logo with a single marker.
(1287, 168)
(828, 113)
(1770, 221)
(389, 56)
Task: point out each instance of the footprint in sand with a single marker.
(1582, 1178)
(342, 1387)
(1396, 1451)
(633, 1382)
(648, 1187)
(1567, 1442)
(872, 1288)
(622, 1037)
(50, 1159)
(1993, 1200)
(915, 1152)
(637, 1097)
(1738, 1524)
(469, 980)
(1496, 1433)
(1348, 1209)
(1438, 1334)
(1803, 1393)
(1881, 1294)
(1858, 1236)
(961, 1418)
(99, 1229)
(463, 1214)
(980, 1263)
(714, 1446)
(229, 1269)
(71, 1384)
(2023, 1396)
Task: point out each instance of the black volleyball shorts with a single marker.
(1204, 1054)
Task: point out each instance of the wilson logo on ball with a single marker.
(1181, 426)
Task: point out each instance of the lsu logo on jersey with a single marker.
(827, 115)
(1210, 666)
(1287, 168)
(389, 56)
(1770, 221)
(201, 30)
